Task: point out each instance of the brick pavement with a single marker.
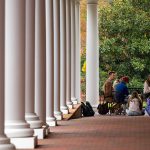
(99, 133)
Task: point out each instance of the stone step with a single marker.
(73, 113)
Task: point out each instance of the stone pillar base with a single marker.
(51, 121)
(5, 143)
(40, 133)
(70, 105)
(58, 115)
(24, 143)
(33, 120)
(7, 147)
(35, 124)
(74, 100)
(64, 109)
(47, 129)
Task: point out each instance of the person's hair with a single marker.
(148, 80)
(111, 72)
(135, 95)
(125, 79)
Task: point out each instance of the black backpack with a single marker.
(87, 109)
(103, 108)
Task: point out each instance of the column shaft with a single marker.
(40, 60)
(15, 70)
(92, 55)
(31, 117)
(77, 74)
(64, 108)
(68, 51)
(49, 64)
(4, 141)
(73, 51)
(56, 15)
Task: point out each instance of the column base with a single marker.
(40, 133)
(24, 143)
(64, 109)
(70, 105)
(5, 143)
(58, 115)
(33, 120)
(74, 100)
(7, 147)
(47, 129)
(51, 121)
(18, 129)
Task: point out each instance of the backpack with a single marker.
(87, 109)
(103, 108)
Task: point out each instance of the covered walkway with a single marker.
(99, 133)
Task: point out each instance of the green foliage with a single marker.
(124, 33)
(83, 74)
(135, 83)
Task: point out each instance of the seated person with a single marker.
(147, 107)
(134, 105)
(103, 105)
(117, 81)
(147, 88)
(121, 90)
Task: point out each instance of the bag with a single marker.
(87, 109)
(103, 108)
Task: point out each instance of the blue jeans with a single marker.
(133, 113)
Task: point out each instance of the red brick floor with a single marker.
(99, 133)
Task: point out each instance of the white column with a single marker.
(63, 78)
(30, 116)
(68, 52)
(92, 54)
(50, 119)
(15, 70)
(56, 15)
(40, 60)
(77, 73)
(15, 125)
(4, 141)
(73, 53)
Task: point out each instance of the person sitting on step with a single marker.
(134, 105)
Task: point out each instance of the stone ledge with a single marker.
(24, 143)
(40, 133)
(52, 123)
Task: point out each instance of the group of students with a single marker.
(117, 92)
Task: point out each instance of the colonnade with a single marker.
(39, 66)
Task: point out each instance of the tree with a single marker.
(124, 33)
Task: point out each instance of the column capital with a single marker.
(92, 1)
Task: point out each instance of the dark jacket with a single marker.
(121, 92)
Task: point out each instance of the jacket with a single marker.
(121, 92)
